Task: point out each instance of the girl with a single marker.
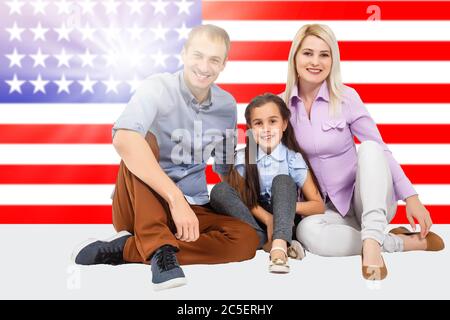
(361, 187)
(262, 185)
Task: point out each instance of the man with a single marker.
(167, 132)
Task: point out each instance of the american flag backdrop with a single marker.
(67, 68)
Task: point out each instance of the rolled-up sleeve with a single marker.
(224, 151)
(141, 110)
(364, 128)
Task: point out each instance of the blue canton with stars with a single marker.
(88, 50)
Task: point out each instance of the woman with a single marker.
(361, 188)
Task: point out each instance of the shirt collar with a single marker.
(322, 94)
(278, 154)
(189, 97)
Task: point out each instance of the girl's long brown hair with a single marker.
(249, 188)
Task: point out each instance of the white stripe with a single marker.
(105, 153)
(273, 30)
(412, 153)
(100, 194)
(39, 194)
(400, 113)
(352, 72)
(396, 113)
(61, 113)
(58, 154)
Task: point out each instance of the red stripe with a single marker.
(400, 133)
(55, 133)
(42, 133)
(48, 214)
(415, 133)
(370, 93)
(324, 10)
(73, 214)
(106, 174)
(349, 50)
(58, 174)
(439, 214)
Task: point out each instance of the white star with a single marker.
(183, 6)
(112, 33)
(39, 6)
(15, 84)
(180, 61)
(39, 58)
(39, 84)
(88, 58)
(63, 32)
(111, 59)
(135, 32)
(63, 84)
(88, 6)
(64, 6)
(160, 32)
(135, 58)
(15, 6)
(134, 84)
(15, 58)
(15, 32)
(135, 6)
(87, 32)
(63, 58)
(111, 84)
(183, 32)
(160, 6)
(87, 84)
(159, 58)
(39, 32)
(111, 6)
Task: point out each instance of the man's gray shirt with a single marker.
(188, 133)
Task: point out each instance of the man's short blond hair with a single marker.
(213, 32)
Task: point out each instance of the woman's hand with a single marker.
(415, 209)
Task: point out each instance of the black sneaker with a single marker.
(166, 271)
(109, 251)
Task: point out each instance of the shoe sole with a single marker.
(82, 245)
(279, 269)
(172, 283)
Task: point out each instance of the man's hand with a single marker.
(185, 220)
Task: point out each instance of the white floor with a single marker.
(35, 264)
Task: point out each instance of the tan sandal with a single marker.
(434, 242)
(296, 250)
(372, 272)
(279, 265)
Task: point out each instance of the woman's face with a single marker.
(313, 61)
(267, 126)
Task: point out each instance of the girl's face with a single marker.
(267, 126)
(313, 61)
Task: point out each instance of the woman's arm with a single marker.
(314, 203)
(364, 128)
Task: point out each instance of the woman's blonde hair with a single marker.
(334, 81)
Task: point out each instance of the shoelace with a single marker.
(166, 259)
(110, 255)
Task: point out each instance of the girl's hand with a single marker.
(415, 209)
(269, 225)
